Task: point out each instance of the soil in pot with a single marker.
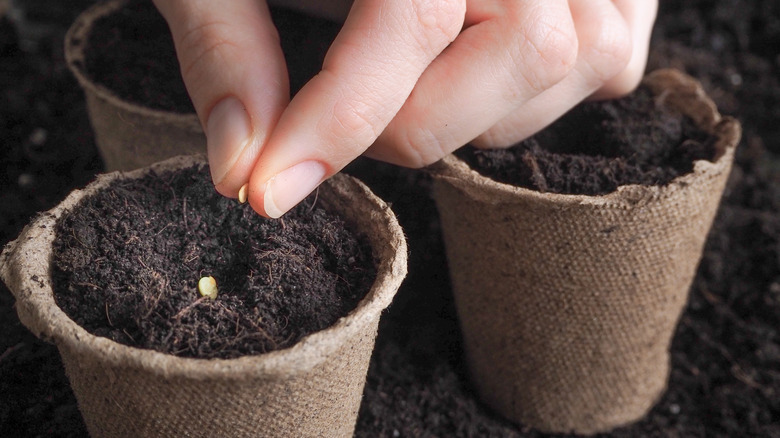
(131, 52)
(128, 260)
(599, 146)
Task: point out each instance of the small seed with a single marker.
(242, 193)
(207, 286)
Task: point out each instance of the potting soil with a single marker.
(128, 48)
(127, 262)
(131, 53)
(599, 146)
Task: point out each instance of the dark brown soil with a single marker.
(725, 380)
(131, 52)
(599, 146)
(127, 263)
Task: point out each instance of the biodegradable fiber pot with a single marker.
(313, 388)
(128, 135)
(568, 303)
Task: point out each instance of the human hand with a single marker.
(405, 81)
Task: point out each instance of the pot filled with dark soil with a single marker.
(178, 312)
(571, 262)
(123, 56)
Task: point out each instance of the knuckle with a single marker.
(202, 42)
(439, 22)
(622, 84)
(545, 51)
(420, 147)
(499, 136)
(609, 51)
(354, 125)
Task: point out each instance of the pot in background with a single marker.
(128, 135)
(568, 303)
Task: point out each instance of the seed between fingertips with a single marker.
(207, 286)
(242, 193)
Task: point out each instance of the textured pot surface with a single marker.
(311, 389)
(568, 302)
(129, 136)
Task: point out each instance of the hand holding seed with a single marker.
(405, 81)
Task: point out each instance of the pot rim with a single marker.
(678, 90)
(39, 312)
(75, 45)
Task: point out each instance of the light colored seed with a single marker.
(242, 193)
(207, 286)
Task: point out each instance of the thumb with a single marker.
(234, 70)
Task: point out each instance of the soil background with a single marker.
(725, 379)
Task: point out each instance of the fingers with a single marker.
(604, 51)
(509, 53)
(396, 69)
(370, 70)
(234, 70)
(640, 16)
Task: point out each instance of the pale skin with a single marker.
(405, 81)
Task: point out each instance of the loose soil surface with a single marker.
(131, 52)
(599, 146)
(725, 378)
(127, 263)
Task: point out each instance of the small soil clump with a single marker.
(127, 262)
(599, 146)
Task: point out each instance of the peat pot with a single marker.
(568, 303)
(128, 135)
(313, 388)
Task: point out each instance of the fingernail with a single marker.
(289, 187)
(227, 133)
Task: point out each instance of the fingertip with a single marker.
(269, 206)
(240, 169)
(234, 70)
(622, 85)
(283, 191)
(254, 197)
(228, 130)
(639, 17)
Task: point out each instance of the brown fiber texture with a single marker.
(313, 388)
(568, 303)
(129, 136)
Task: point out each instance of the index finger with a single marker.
(368, 73)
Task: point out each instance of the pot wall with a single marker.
(313, 388)
(128, 136)
(568, 303)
